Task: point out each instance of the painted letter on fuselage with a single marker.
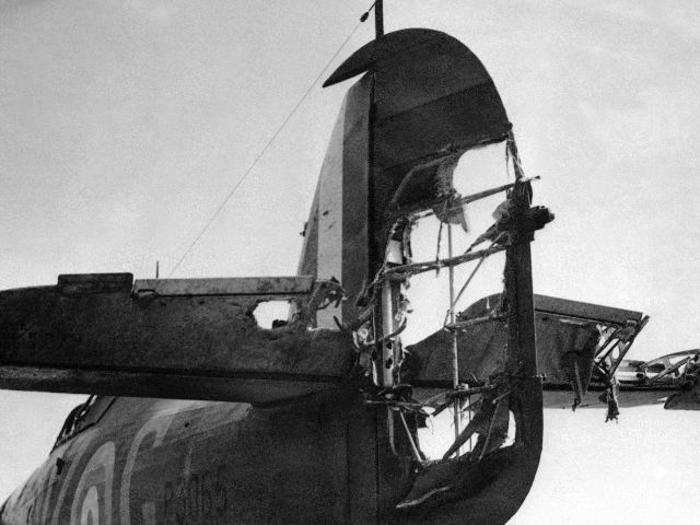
(157, 425)
(99, 472)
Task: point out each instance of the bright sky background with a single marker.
(123, 124)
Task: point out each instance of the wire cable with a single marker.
(262, 152)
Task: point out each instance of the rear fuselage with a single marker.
(171, 461)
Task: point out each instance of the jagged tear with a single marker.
(430, 100)
(425, 100)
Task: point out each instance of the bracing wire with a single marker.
(260, 154)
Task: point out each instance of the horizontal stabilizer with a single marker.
(181, 338)
(567, 340)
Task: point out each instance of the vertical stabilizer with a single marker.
(336, 242)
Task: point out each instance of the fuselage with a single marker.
(173, 461)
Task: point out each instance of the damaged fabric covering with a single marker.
(425, 99)
(565, 350)
(432, 99)
(432, 184)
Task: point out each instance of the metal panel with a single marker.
(226, 286)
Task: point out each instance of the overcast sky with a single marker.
(122, 125)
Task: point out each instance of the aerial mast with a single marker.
(379, 19)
